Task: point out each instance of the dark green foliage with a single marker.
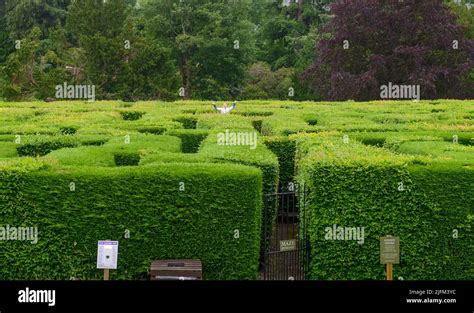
(219, 49)
(188, 122)
(126, 159)
(22, 16)
(36, 48)
(464, 14)
(6, 45)
(93, 140)
(312, 120)
(373, 142)
(131, 115)
(263, 83)
(255, 113)
(189, 111)
(163, 222)
(21, 67)
(190, 138)
(284, 30)
(151, 72)
(202, 35)
(68, 130)
(285, 150)
(42, 145)
(155, 130)
(128, 64)
(257, 124)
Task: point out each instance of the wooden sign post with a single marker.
(106, 274)
(389, 253)
(107, 254)
(389, 271)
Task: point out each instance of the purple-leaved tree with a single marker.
(372, 43)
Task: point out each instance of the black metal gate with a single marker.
(285, 251)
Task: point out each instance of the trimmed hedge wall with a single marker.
(285, 150)
(127, 158)
(145, 142)
(449, 187)
(190, 138)
(42, 145)
(83, 156)
(169, 157)
(155, 130)
(131, 115)
(260, 157)
(145, 202)
(109, 153)
(8, 150)
(352, 185)
(187, 121)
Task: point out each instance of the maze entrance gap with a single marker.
(286, 248)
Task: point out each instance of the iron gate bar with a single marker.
(287, 224)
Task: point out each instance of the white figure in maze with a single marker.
(225, 109)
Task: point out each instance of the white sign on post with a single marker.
(107, 252)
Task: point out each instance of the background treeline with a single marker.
(224, 49)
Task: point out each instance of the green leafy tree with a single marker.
(149, 70)
(34, 44)
(23, 15)
(212, 42)
(287, 35)
(6, 45)
(116, 57)
(98, 29)
(464, 9)
(263, 83)
(285, 28)
(33, 70)
(21, 68)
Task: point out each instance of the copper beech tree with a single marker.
(371, 43)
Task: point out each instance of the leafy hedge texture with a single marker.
(146, 203)
(357, 186)
(127, 176)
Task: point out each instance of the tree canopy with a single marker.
(216, 49)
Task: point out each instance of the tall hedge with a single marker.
(447, 183)
(260, 157)
(356, 186)
(285, 150)
(42, 145)
(190, 138)
(450, 188)
(220, 228)
(117, 151)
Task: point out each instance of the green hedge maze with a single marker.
(176, 180)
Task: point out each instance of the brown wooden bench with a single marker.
(176, 270)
